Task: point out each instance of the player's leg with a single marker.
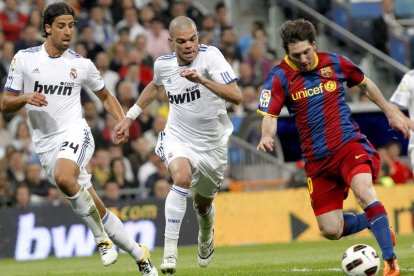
(354, 223)
(327, 197)
(118, 234)
(205, 211)
(206, 183)
(73, 154)
(377, 218)
(334, 224)
(331, 224)
(175, 208)
(66, 177)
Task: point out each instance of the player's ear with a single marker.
(48, 29)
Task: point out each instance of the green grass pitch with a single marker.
(297, 258)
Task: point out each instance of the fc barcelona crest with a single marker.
(73, 74)
(326, 72)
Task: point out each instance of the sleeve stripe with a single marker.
(11, 90)
(266, 114)
(100, 90)
(226, 77)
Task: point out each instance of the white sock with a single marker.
(170, 247)
(118, 234)
(175, 207)
(84, 207)
(206, 224)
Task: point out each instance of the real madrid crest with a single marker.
(73, 74)
(326, 72)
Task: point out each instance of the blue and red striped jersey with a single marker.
(316, 100)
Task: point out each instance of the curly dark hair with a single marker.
(52, 11)
(293, 31)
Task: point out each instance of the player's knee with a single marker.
(201, 208)
(182, 180)
(331, 232)
(64, 181)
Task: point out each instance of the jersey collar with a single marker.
(44, 50)
(47, 55)
(294, 67)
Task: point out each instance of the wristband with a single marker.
(134, 112)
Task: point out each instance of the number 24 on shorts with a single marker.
(72, 146)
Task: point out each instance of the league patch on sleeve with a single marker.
(13, 65)
(265, 98)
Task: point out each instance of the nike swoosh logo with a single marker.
(377, 219)
(358, 156)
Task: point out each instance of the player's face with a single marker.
(61, 32)
(185, 43)
(302, 54)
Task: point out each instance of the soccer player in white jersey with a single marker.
(197, 80)
(403, 97)
(47, 81)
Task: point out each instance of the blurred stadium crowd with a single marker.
(123, 38)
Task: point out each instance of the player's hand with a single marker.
(121, 138)
(121, 131)
(191, 75)
(36, 99)
(397, 123)
(267, 143)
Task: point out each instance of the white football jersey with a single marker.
(404, 96)
(197, 116)
(60, 80)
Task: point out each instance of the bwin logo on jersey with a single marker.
(64, 89)
(184, 98)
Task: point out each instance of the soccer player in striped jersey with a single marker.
(197, 80)
(47, 81)
(338, 157)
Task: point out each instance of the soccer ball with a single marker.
(359, 260)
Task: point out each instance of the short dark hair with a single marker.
(259, 24)
(220, 5)
(293, 31)
(52, 11)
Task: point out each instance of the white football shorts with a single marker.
(209, 165)
(411, 156)
(76, 144)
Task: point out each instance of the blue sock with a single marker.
(353, 223)
(380, 227)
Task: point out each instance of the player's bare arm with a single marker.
(12, 102)
(267, 142)
(375, 95)
(229, 92)
(148, 95)
(408, 121)
(111, 105)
